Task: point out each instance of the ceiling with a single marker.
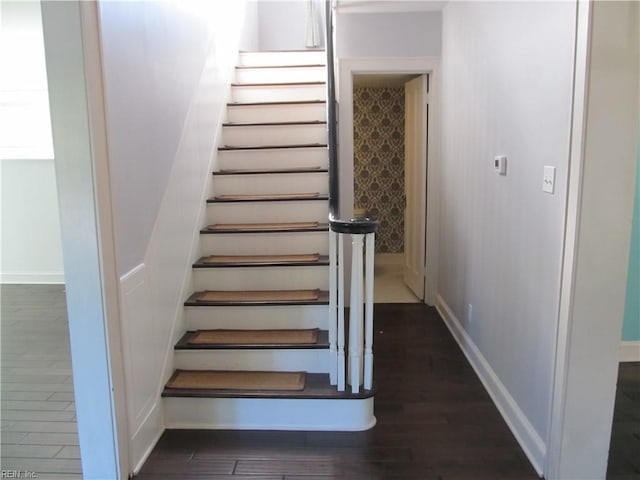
(389, 6)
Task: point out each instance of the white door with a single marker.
(415, 178)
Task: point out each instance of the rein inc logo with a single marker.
(18, 474)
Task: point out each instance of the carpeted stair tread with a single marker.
(267, 197)
(259, 171)
(273, 147)
(264, 227)
(251, 296)
(236, 380)
(253, 337)
(260, 259)
(317, 386)
(273, 124)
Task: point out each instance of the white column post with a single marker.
(368, 328)
(355, 317)
(333, 308)
(341, 367)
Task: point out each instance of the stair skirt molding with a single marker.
(270, 414)
(530, 442)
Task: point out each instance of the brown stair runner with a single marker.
(254, 337)
(240, 380)
(269, 170)
(263, 226)
(258, 296)
(222, 259)
(268, 196)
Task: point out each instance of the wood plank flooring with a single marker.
(38, 432)
(435, 421)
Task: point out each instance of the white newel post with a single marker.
(355, 317)
(341, 359)
(333, 307)
(368, 327)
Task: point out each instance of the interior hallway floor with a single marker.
(389, 286)
(435, 421)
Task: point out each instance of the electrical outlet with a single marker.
(500, 164)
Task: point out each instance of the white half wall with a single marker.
(501, 237)
(165, 101)
(30, 231)
(405, 34)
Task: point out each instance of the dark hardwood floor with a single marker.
(435, 421)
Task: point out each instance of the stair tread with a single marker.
(301, 65)
(224, 339)
(265, 227)
(268, 197)
(273, 147)
(277, 84)
(256, 171)
(316, 386)
(257, 297)
(274, 124)
(278, 102)
(217, 261)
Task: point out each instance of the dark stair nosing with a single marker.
(270, 171)
(316, 387)
(269, 124)
(321, 197)
(303, 65)
(321, 343)
(322, 261)
(323, 299)
(277, 84)
(273, 147)
(270, 104)
(321, 227)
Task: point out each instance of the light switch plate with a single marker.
(549, 179)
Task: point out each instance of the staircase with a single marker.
(256, 353)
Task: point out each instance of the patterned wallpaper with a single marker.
(378, 147)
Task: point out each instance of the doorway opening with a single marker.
(390, 115)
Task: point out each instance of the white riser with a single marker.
(269, 135)
(277, 93)
(312, 360)
(262, 59)
(257, 317)
(271, 183)
(279, 112)
(281, 75)
(273, 158)
(265, 243)
(269, 414)
(268, 212)
(261, 278)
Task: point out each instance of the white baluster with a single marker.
(333, 312)
(368, 322)
(355, 316)
(341, 359)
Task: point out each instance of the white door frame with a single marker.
(76, 98)
(347, 68)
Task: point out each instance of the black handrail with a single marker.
(353, 226)
(332, 133)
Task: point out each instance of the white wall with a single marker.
(507, 89)
(31, 250)
(30, 230)
(405, 34)
(283, 24)
(164, 101)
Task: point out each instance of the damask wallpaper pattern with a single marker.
(378, 138)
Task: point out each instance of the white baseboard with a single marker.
(629, 351)
(32, 277)
(530, 442)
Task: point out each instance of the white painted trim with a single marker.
(270, 414)
(396, 6)
(32, 277)
(630, 351)
(154, 418)
(526, 435)
(347, 67)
